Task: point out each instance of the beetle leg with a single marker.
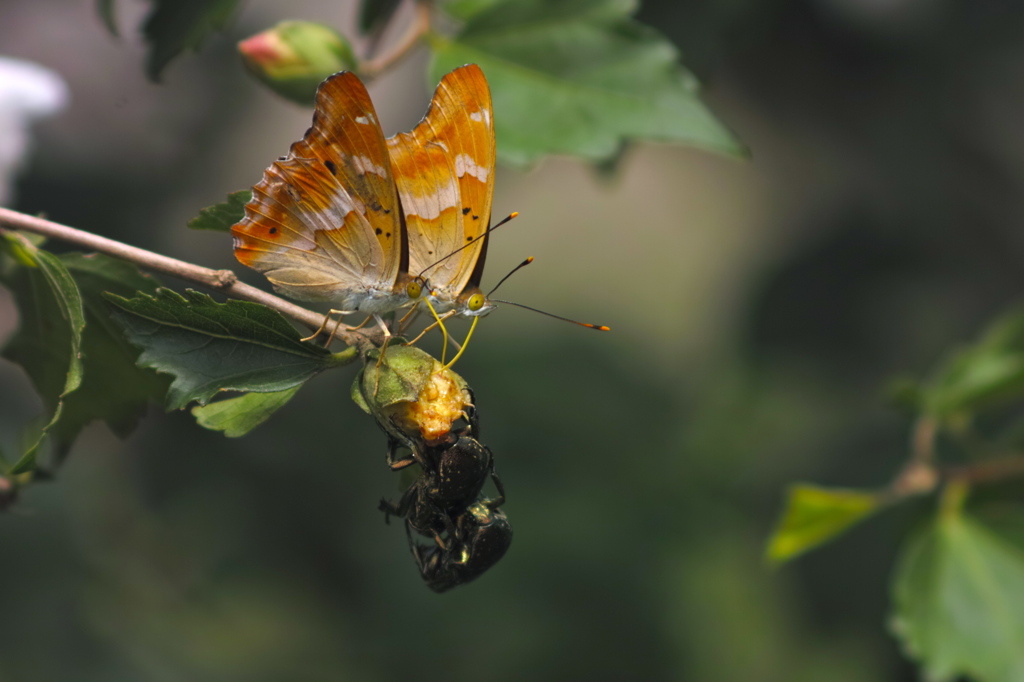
(494, 504)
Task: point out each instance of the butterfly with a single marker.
(325, 223)
(346, 216)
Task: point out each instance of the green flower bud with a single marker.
(295, 56)
(410, 392)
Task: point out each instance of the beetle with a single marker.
(481, 537)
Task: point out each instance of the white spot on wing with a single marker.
(464, 164)
(477, 116)
(363, 164)
(429, 206)
(365, 120)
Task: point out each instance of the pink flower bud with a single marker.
(294, 56)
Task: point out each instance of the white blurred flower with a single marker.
(27, 92)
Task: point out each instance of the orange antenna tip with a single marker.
(513, 214)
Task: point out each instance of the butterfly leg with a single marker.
(361, 324)
(351, 329)
(387, 339)
(401, 323)
(432, 325)
(327, 320)
(383, 350)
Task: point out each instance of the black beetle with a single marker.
(481, 536)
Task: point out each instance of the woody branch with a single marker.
(224, 281)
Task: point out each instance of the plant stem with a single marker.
(371, 68)
(224, 281)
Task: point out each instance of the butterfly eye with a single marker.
(475, 302)
(414, 289)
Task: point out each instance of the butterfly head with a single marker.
(414, 288)
(473, 303)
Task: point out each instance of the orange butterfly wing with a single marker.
(444, 170)
(324, 223)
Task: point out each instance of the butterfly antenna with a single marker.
(514, 270)
(599, 327)
(472, 241)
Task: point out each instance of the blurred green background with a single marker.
(758, 309)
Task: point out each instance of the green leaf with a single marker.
(220, 217)
(173, 26)
(816, 515)
(464, 10)
(579, 77)
(238, 416)
(987, 374)
(114, 388)
(48, 343)
(211, 347)
(106, 11)
(958, 594)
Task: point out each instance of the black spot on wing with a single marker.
(466, 210)
(379, 231)
(331, 167)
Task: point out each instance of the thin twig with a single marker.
(988, 471)
(224, 281)
(922, 445)
(371, 68)
(919, 475)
